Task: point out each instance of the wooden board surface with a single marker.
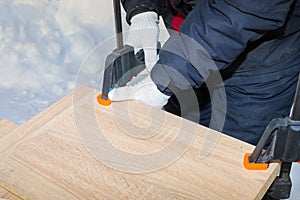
(4, 194)
(5, 128)
(61, 154)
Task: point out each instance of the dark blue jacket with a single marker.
(254, 44)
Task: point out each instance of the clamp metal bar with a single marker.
(295, 111)
(118, 24)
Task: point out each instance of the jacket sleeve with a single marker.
(134, 7)
(213, 35)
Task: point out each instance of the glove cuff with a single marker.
(139, 8)
(164, 98)
(161, 95)
(145, 19)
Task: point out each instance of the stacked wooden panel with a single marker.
(5, 128)
(77, 149)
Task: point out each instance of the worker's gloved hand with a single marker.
(143, 34)
(141, 88)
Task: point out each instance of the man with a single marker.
(254, 45)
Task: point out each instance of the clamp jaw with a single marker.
(120, 66)
(285, 143)
(283, 134)
(285, 148)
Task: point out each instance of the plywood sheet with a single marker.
(6, 195)
(5, 128)
(78, 149)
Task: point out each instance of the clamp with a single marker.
(283, 137)
(122, 64)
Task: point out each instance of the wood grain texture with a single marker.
(55, 159)
(36, 125)
(5, 128)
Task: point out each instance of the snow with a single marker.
(43, 43)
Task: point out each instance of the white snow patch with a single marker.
(42, 45)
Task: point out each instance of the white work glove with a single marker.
(143, 34)
(141, 88)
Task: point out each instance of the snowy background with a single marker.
(42, 46)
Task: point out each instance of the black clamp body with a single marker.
(283, 134)
(120, 66)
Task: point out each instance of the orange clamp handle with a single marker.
(103, 102)
(254, 166)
